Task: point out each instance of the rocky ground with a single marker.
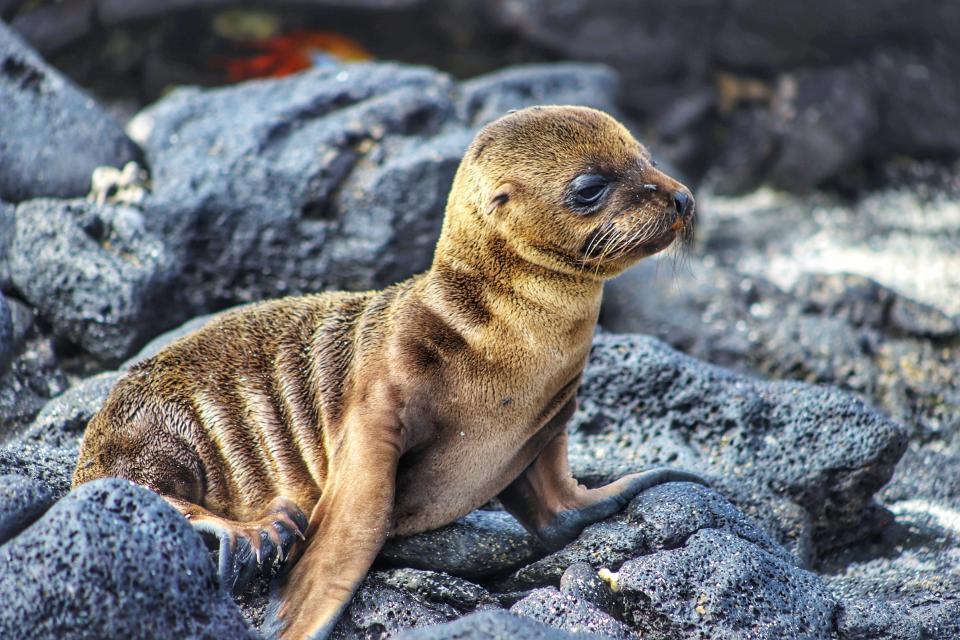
(818, 389)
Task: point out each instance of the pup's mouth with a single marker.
(603, 245)
(679, 229)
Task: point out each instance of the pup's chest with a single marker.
(477, 444)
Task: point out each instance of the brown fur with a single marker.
(397, 411)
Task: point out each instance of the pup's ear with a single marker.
(499, 198)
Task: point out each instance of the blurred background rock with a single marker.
(746, 92)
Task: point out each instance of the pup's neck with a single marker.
(479, 279)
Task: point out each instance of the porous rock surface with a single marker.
(643, 402)
(570, 613)
(490, 625)
(6, 333)
(719, 583)
(93, 271)
(113, 560)
(32, 374)
(22, 500)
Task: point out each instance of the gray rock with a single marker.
(717, 585)
(62, 421)
(643, 403)
(490, 625)
(753, 36)
(402, 191)
(488, 97)
(886, 333)
(581, 581)
(871, 619)
(910, 567)
(32, 377)
(113, 560)
(891, 102)
(914, 479)
(22, 500)
(570, 613)
(245, 177)
(786, 522)
(864, 302)
(828, 125)
(438, 587)
(94, 272)
(52, 27)
(53, 468)
(392, 601)
(482, 543)
(389, 601)
(673, 39)
(663, 517)
(923, 93)
(6, 334)
(8, 221)
(54, 135)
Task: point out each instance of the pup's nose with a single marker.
(682, 202)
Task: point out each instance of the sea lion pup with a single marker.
(397, 411)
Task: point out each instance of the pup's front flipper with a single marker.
(549, 502)
(247, 548)
(347, 529)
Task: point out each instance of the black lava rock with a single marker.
(488, 97)
(8, 222)
(569, 613)
(871, 619)
(863, 302)
(6, 334)
(582, 581)
(491, 625)
(54, 135)
(642, 402)
(22, 500)
(439, 587)
(33, 373)
(482, 543)
(113, 560)
(660, 518)
(904, 578)
(391, 601)
(791, 97)
(718, 585)
(94, 272)
(52, 467)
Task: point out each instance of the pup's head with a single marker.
(570, 189)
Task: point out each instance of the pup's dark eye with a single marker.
(586, 191)
(591, 193)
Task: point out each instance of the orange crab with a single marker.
(292, 52)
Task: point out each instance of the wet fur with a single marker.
(397, 411)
